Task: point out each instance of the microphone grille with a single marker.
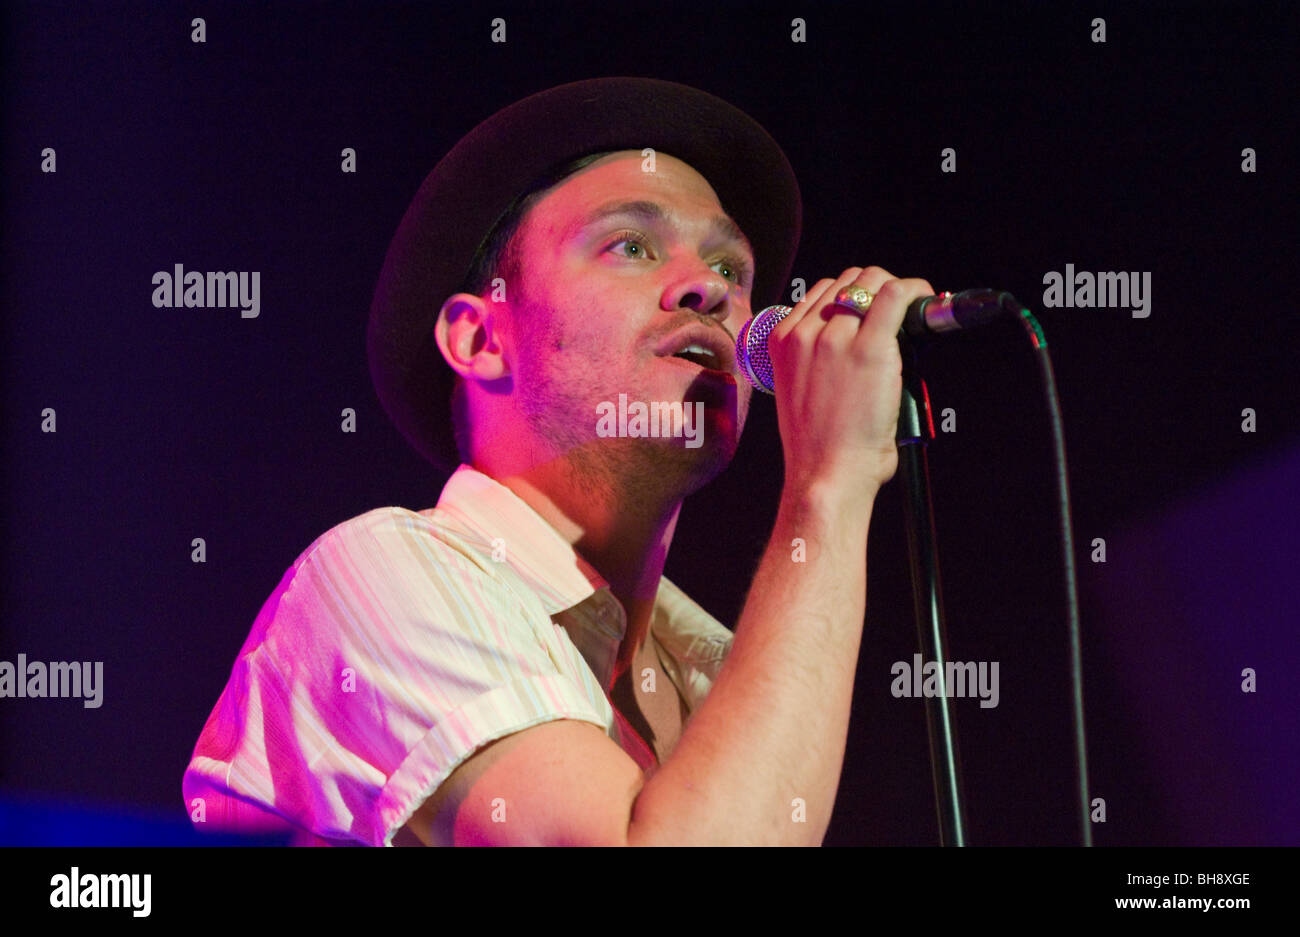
(751, 347)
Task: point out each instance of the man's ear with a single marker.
(468, 333)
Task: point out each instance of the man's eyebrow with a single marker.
(652, 212)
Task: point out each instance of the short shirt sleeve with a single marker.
(388, 655)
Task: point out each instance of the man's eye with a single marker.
(629, 245)
(733, 270)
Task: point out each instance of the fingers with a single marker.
(818, 319)
(839, 377)
(885, 317)
(812, 300)
(817, 326)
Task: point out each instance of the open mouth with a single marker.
(702, 357)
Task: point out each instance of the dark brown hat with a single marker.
(467, 192)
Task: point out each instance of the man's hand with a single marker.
(838, 383)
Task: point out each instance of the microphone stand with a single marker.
(915, 430)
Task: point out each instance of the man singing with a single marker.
(511, 667)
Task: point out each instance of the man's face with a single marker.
(605, 289)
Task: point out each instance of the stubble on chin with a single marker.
(559, 391)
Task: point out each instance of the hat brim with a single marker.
(469, 189)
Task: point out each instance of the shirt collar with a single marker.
(548, 564)
(561, 579)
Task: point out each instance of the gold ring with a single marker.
(856, 298)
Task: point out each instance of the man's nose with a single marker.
(706, 292)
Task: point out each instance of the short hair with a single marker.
(498, 256)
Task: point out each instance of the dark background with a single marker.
(1122, 156)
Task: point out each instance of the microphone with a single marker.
(926, 317)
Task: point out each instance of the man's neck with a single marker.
(622, 527)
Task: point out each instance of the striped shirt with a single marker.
(399, 643)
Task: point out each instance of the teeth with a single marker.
(696, 349)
